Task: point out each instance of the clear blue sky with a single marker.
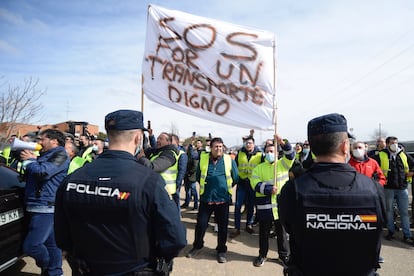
(351, 57)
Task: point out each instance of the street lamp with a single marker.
(379, 131)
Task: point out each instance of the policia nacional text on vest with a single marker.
(340, 223)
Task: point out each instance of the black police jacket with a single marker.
(334, 216)
(116, 216)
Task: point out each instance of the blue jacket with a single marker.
(182, 167)
(43, 177)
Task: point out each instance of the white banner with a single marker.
(210, 69)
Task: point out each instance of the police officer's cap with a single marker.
(124, 120)
(329, 123)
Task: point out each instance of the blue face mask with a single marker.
(270, 156)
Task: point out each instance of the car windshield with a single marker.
(9, 178)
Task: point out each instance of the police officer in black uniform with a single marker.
(333, 214)
(114, 216)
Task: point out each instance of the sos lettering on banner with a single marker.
(210, 69)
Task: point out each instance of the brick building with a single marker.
(19, 129)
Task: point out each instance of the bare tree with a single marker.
(19, 104)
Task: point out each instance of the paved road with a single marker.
(399, 257)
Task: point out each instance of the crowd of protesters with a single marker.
(183, 164)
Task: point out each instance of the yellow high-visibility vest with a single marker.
(385, 162)
(204, 160)
(170, 174)
(246, 166)
(264, 172)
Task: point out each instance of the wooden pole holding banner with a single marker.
(142, 93)
(142, 74)
(275, 118)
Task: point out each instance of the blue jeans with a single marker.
(244, 195)
(40, 243)
(401, 197)
(191, 191)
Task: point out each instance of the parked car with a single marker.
(13, 228)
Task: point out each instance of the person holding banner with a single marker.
(262, 182)
(216, 173)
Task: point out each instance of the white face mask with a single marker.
(358, 153)
(348, 157)
(270, 156)
(139, 148)
(208, 149)
(394, 147)
(95, 148)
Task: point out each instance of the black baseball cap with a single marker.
(329, 123)
(124, 120)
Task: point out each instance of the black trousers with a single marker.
(221, 214)
(281, 235)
